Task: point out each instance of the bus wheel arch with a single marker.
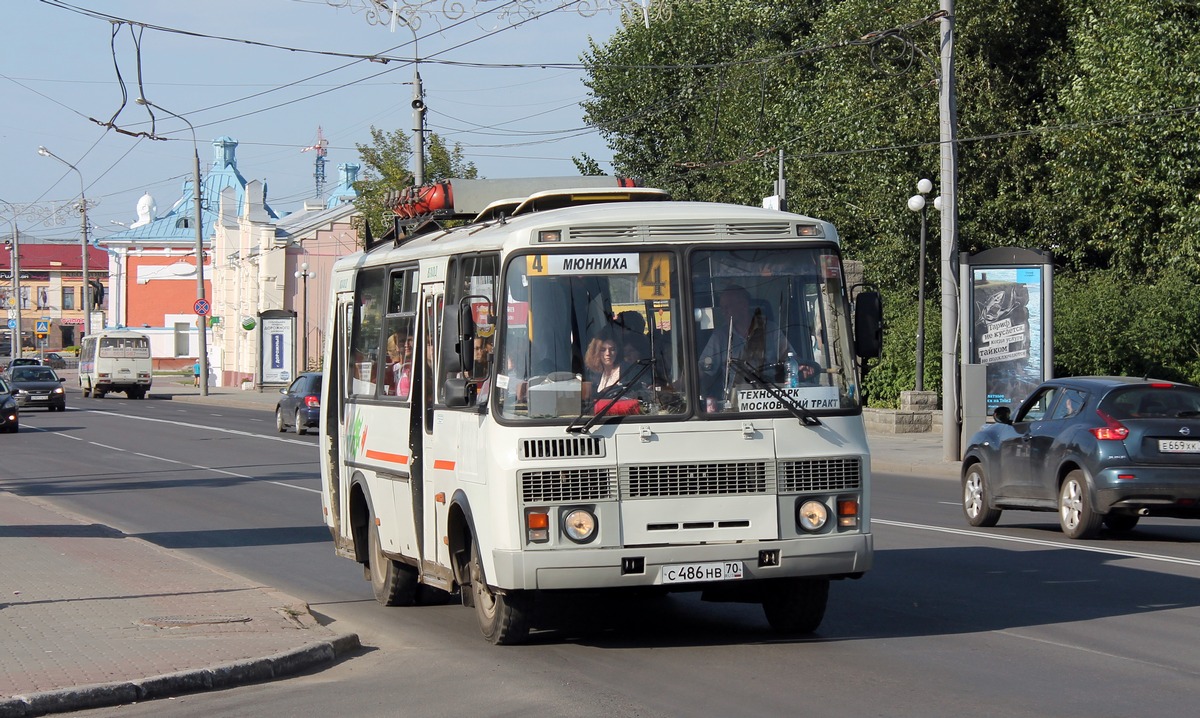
(460, 531)
(360, 517)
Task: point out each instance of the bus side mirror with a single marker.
(466, 336)
(868, 325)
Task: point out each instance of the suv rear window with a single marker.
(1149, 402)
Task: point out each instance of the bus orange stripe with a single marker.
(443, 464)
(385, 456)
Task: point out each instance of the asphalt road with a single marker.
(953, 621)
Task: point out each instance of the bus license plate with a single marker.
(693, 572)
(1178, 446)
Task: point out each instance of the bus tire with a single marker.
(394, 584)
(796, 605)
(503, 617)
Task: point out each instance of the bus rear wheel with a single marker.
(796, 605)
(394, 583)
(503, 617)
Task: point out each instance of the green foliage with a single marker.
(1105, 324)
(385, 172)
(1077, 134)
(896, 371)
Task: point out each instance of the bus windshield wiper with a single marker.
(625, 387)
(793, 407)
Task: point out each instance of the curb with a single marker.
(227, 675)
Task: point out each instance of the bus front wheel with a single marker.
(394, 584)
(503, 617)
(796, 605)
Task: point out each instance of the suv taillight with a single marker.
(1113, 430)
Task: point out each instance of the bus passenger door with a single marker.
(430, 453)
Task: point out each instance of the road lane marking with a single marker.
(184, 463)
(208, 427)
(1041, 542)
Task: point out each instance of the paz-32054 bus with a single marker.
(591, 387)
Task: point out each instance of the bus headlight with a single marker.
(812, 515)
(579, 525)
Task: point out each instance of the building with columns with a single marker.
(256, 259)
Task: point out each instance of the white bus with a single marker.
(116, 360)
(477, 437)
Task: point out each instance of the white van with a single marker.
(115, 360)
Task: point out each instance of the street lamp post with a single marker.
(917, 204)
(202, 319)
(303, 274)
(15, 297)
(86, 295)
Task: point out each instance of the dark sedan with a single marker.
(300, 404)
(1094, 449)
(10, 414)
(55, 360)
(37, 386)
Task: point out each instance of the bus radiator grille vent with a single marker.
(569, 447)
(759, 229)
(701, 479)
(605, 233)
(567, 485)
(839, 474)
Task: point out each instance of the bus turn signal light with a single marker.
(847, 508)
(537, 524)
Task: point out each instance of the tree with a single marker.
(386, 174)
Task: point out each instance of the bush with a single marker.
(896, 370)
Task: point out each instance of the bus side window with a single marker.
(365, 365)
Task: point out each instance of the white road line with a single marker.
(208, 427)
(194, 466)
(1040, 542)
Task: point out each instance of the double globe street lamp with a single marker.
(303, 274)
(917, 203)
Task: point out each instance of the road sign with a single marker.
(43, 326)
(201, 306)
(12, 323)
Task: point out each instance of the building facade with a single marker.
(51, 291)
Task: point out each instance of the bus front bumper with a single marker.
(817, 556)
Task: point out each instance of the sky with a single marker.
(60, 73)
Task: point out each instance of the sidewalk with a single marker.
(91, 617)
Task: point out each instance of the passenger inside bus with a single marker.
(608, 372)
(743, 332)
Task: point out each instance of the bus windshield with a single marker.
(771, 324)
(590, 331)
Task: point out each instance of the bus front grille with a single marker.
(839, 474)
(567, 485)
(699, 479)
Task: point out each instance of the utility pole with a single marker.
(201, 319)
(86, 296)
(15, 297)
(948, 131)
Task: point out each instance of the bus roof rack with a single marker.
(470, 198)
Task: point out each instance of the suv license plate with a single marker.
(693, 572)
(1178, 446)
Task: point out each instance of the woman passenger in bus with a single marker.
(607, 370)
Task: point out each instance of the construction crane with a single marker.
(319, 164)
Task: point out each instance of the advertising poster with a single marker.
(1007, 331)
(277, 350)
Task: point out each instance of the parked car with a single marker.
(1097, 450)
(37, 386)
(300, 404)
(10, 413)
(55, 360)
